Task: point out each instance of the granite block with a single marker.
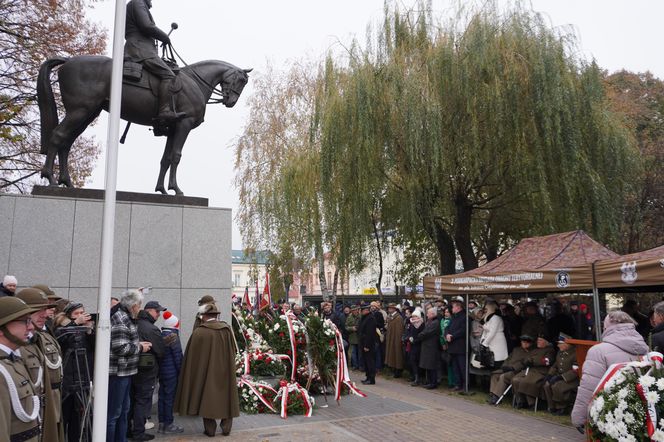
(42, 241)
(155, 247)
(7, 205)
(206, 248)
(86, 250)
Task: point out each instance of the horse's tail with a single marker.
(48, 111)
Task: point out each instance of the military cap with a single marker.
(209, 309)
(12, 308)
(365, 306)
(562, 337)
(354, 307)
(35, 298)
(392, 305)
(532, 304)
(206, 299)
(49, 291)
(526, 338)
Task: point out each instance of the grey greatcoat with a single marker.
(430, 348)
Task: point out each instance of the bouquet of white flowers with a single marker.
(628, 403)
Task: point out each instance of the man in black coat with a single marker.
(367, 337)
(144, 381)
(657, 334)
(455, 335)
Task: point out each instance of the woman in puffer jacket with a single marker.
(620, 343)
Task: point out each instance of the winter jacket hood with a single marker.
(626, 338)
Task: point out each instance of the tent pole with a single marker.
(467, 362)
(598, 318)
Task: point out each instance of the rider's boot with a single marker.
(166, 114)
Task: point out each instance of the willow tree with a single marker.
(475, 132)
(278, 168)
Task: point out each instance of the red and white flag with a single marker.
(246, 302)
(266, 299)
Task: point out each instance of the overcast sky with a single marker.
(251, 33)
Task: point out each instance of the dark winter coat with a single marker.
(458, 329)
(171, 362)
(69, 343)
(367, 332)
(430, 345)
(656, 342)
(533, 326)
(147, 331)
(4, 291)
(560, 323)
(416, 345)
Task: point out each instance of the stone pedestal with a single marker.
(176, 245)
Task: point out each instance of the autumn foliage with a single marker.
(30, 32)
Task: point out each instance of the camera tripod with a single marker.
(76, 395)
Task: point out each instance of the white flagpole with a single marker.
(103, 337)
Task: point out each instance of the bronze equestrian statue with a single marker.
(149, 98)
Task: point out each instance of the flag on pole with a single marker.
(258, 298)
(266, 299)
(246, 303)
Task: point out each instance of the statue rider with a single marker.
(141, 47)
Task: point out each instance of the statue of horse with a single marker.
(85, 84)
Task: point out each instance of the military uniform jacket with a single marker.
(33, 359)
(516, 359)
(141, 32)
(17, 408)
(52, 427)
(539, 360)
(563, 368)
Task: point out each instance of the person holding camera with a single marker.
(75, 333)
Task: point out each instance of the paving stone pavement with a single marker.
(392, 411)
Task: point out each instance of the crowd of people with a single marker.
(523, 348)
(47, 347)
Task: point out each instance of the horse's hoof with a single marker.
(177, 190)
(64, 181)
(161, 190)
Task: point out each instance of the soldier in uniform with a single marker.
(53, 299)
(528, 382)
(45, 344)
(19, 401)
(141, 34)
(562, 381)
(502, 378)
(207, 386)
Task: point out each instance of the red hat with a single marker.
(170, 320)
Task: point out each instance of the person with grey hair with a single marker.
(430, 347)
(123, 364)
(620, 343)
(657, 334)
(8, 286)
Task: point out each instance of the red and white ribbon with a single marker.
(291, 335)
(284, 393)
(651, 414)
(253, 387)
(343, 377)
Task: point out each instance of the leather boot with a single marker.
(166, 114)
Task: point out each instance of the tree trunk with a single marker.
(446, 252)
(380, 259)
(462, 237)
(320, 256)
(335, 281)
